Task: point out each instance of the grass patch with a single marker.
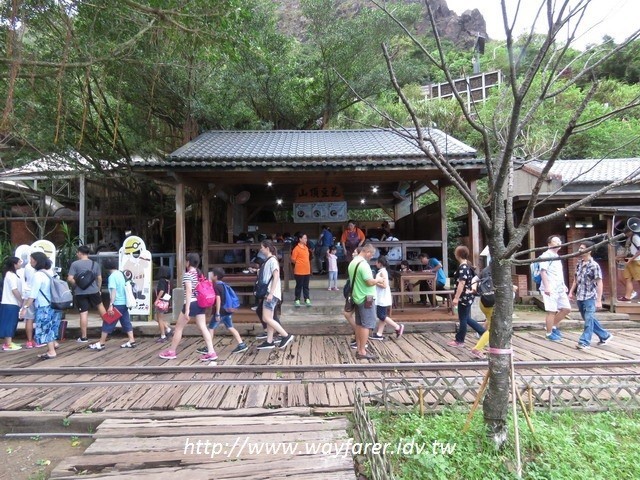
(565, 446)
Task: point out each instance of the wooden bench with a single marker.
(447, 294)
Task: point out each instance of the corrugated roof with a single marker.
(590, 170)
(307, 148)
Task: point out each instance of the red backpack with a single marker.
(205, 293)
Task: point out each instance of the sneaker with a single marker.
(97, 346)
(168, 332)
(168, 354)
(296, 303)
(375, 336)
(209, 357)
(162, 340)
(261, 336)
(606, 340)
(129, 345)
(82, 340)
(354, 346)
(582, 346)
(254, 308)
(454, 343)
(11, 347)
(400, 330)
(367, 356)
(286, 341)
(634, 295)
(557, 332)
(553, 337)
(242, 347)
(625, 299)
(202, 350)
(307, 302)
(30, 344)
(336, 288)
(266, 345)
(330, 289)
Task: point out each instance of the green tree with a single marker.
(535, 89)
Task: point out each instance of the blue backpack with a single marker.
(231, 300)
(535, 273)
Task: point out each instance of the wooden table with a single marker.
(402, 278)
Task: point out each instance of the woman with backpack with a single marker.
(47, 320)
(190, 310)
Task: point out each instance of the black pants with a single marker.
(424, 285)
(302, 286)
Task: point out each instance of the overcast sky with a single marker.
(616, 18)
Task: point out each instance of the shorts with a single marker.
(631, 271)
(125, 321)
(194, 309)
(381, 312)
(226, 319)
(555, 301)
(85, 302)
(270, 305)
(365, 317)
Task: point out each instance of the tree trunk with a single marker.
(496, 402)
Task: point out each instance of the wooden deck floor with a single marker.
(223, 390)
(216, 444)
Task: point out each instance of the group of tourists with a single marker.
(26, 295)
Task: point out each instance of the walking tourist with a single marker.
(553, 289)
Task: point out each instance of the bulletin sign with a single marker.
(319, 212)
(325, 192)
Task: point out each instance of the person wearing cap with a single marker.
(631, 270)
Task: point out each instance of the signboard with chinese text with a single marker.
(319, 193)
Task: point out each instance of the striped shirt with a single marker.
(190, 276)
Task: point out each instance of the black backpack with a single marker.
(485, 288)
(86, 278)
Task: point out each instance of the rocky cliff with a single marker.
(460, 29)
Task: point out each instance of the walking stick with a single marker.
(481, 390)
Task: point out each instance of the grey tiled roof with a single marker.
(307, 148)
(591, 170)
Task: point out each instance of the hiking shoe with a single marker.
(168, 354)
(454, 343)
(82, 340)
(307, 302)
(129, 345)
(554, 337)
(375, 336)
(261, 336)
(582, 346)
(202, 350)
(242, 347)
(10, 347)
(286, 341)
(296, 303)
(97, 346)
(266, 345)
(400, 330)
(367, 356)
(209, 357)
(606, 340)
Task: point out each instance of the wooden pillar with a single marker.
(206, 226)
(180, 233)
(474, 227)
(230, 223)
(613, 268)
(444, 228)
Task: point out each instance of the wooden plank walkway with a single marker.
(223, 390)
(215, 444)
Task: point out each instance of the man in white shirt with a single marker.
(553, 289)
